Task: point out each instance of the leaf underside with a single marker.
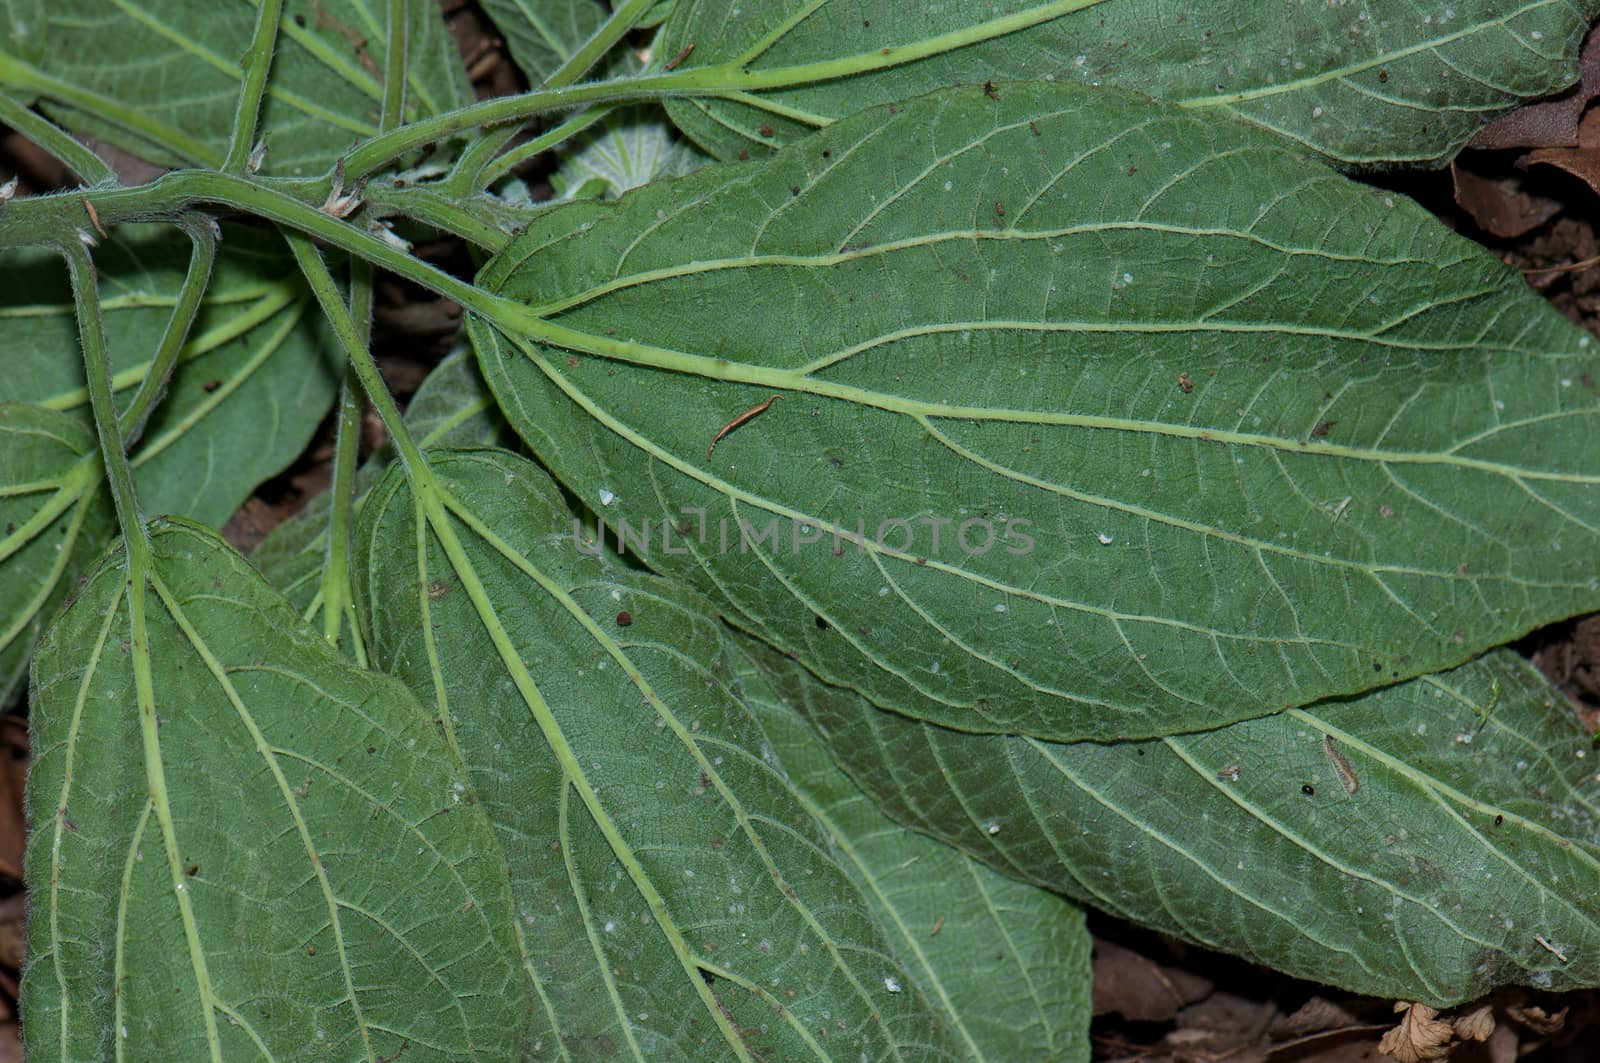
(161, 78)
(1384, 83)
(1205, 430)
(1396, 844)
(325, 892)
(675, 899)
(251, 385)
(1006, 962)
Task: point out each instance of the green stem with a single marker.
(470, 175)
(623, 19)
(159, 134)
(257, 65)
(335, 584)
(466, 175)
(394, 67)
(203, 255)
(355, 347)
(544, 142)
(90, 168)
(97, 368)
(432, 205)
(696, 81)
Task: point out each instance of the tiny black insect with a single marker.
(1498, 820)
(1308, 790)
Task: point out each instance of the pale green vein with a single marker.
(264, 750)
(794, 380)
(1251, 899)
(433, 498)
(119, 964)
(232, 70)
(1311, 81)
(676, 725)
(63, 557)
(740, 495)
(1311, 848)
(586, 918)
(156, 781)
(58, 819)
(857, 252)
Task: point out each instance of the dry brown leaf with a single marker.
(1474, 1025)
(1421, 1036)
(1537, 1019)
(1140, 989)
(1500, 204)
(1314, 1016)
(1552, 122)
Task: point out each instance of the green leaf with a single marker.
(161, 78)
(280, 864)
(51, 519)
(543, 33)
(1007, 962)
(675, 899)
(1396, 844)
(452, 407)
(632, 147)
(1206, 430)
(253, 382)
(1381, 83)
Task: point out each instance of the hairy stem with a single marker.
(394, 67)
(716, 80)
(90, 168)
(203, 255)
(257, 65)
(97, 368)
(543, 142)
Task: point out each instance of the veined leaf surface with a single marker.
(675, 899)
(251, 385)
(53, 521)
(1143, 423)
(1383, 82)
(1397, 844)
(1007, 963)
(161, 78)
(277, 863)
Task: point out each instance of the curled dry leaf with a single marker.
(1537, 1019)
(1421, 1035)
(1474, 1025)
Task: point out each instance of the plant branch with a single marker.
(394, 67)
(544, 142)
(97, 368)
(715, 80)
(337, 599)
(257, 65)
(623, 18)
(169, 138)
(203, 237)
(348, 333)
(90, 168)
